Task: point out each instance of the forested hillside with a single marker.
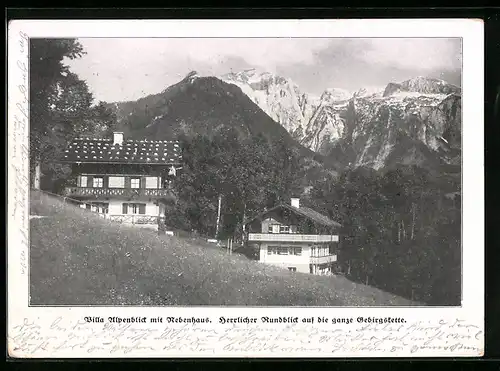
(401, 230)
(249, 175)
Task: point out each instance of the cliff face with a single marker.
(417, 121)
(409, 127)
(310, 119)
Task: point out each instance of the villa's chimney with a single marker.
(117, 138)
(295, 202)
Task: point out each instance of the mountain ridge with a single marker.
(422, 107)
(199, 105)
(348, 129)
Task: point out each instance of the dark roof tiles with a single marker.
(304, 211)
(130, 151)
(315, 216)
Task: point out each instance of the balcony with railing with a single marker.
(323, 259)
(137, 219)
(111, 192)
(291, 237)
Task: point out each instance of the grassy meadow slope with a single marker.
(78, 258)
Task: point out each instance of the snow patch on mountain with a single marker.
(310, 119)
(371, 121)
(369, 91)
(379, 127)
(333, 95)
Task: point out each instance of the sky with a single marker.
(120, 69)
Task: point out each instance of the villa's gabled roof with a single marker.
(86, 150)
(303, 211)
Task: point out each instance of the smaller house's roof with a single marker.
(87, 150)
(315, 216)
(304, 211)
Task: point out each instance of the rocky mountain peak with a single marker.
(200, 105)
(191, 77)
(257, 80)
(336, 95)
(366, 123)
(369, 91)
(297, 111)
(421, 85)
(391, 89)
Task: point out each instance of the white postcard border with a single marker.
(45, 331)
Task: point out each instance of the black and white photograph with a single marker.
(199, 173)
(273, 172)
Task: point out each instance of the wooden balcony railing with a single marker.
(291, 237)
(133, 219)
(110, 192)
(323, 259)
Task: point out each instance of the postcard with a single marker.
(245, 188)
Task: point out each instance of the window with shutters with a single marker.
(135, 183)
(116, 182)
(272, 250)
(134, 208)
(83, 181)
(151, 182)
(284, 229)
(274, 228)
(282, 250)
(98, 182)
(100, 207)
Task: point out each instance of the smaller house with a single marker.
(295, 237)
